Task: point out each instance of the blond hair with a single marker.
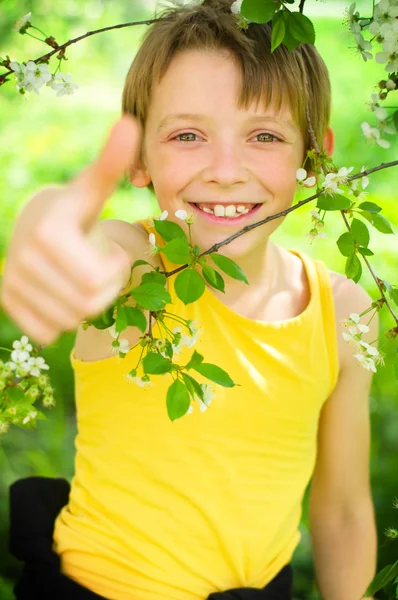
(297, 78)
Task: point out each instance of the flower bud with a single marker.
(382, 84)
(383, 96)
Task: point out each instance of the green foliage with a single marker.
(177, 251)
(335, 202)
(169, 230)
(189, 286)
(151, 296)
(156, 364)
(129, 316)
(229, 267)
(177, 400)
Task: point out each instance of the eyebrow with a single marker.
(197, 117)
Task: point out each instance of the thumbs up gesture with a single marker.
(61, 268)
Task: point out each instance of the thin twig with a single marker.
(45, 57)
(301, 7)
(285, 212)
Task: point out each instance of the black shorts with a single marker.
(35, 503)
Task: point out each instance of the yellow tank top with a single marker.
(163, 510)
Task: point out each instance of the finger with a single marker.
(50, 311)
(31, 324)
(97, 182)
(40, 272)
(73, 254)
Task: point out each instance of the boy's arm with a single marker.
(341, 510)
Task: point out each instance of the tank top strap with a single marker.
(329, 319)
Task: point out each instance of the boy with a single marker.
(211, 502)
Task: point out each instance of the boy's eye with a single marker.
(270, 137)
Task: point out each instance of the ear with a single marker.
(329, 141)
(138, 172)
(139, 175)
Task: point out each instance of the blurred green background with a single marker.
(47, 139)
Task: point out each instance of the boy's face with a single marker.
(221, 160)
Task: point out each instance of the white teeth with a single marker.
(219, 210)
(230, 210)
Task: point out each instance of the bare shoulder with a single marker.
(93, 344)
(350, 297)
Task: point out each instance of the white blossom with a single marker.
(37, 75)
(18, 25)
(367, 363)
(236, 6)
(23, 344)
(181, 214)
(63, 84)
(303, 180)
(152, 239)
(30, 416)
(365, 179)
(208, 395)
(385, 12)
(36, 365)
(391, 85)
(141, 382)
(353, 19)
(363, 47)
(164, 215)
(373, 134)
(122, 346)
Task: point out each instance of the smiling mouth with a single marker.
(231, 211)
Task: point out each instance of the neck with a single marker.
(259, 268)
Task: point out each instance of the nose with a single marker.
(226, 167)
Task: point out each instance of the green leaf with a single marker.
(360, 232)
(104, 320)
(367, 215)
(177, 251)
(196, 359)
(193, 386)
(370, 207)
(215, 374)
(365, 252)
(177, 400)
(229, 267)
(345, 244)
(289, 40)
(127, 315)
(382, 578)
(151, 296)
(140, 262)
(335, 202)
(396, 365)
(215, 281)
(278, 30)
(155, 277)
(258, 11)
(168, 349)
(189, 286)
(169, 230)
(302, 28)
(382, 224)
(15, 394)
(353, 268)
(156, 364)
(394, 295)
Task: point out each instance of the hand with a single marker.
(60, 269)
